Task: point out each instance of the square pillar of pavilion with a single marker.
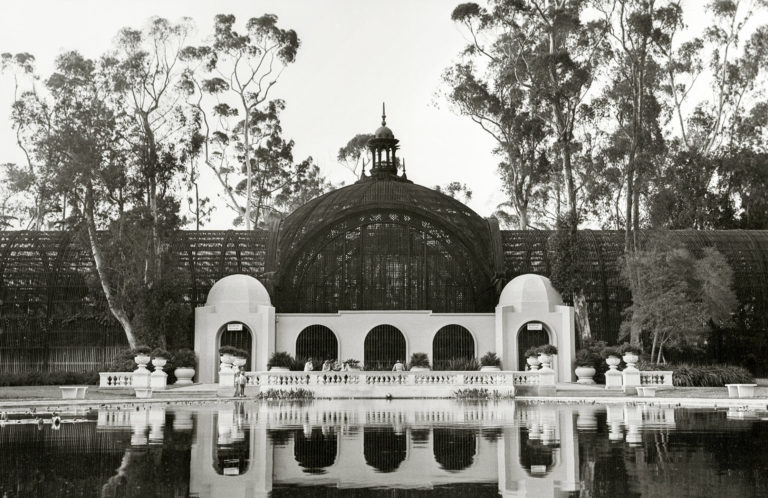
(531, 310)
(239, 306)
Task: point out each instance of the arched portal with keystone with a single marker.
(235, 299)
(526, 302)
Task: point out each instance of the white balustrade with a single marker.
(387, 378)
(115, 379)
(656, 378)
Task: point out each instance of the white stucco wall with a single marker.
(527, 298)
(351, 327)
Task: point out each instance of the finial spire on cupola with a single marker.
(383, 147)
(383, 115)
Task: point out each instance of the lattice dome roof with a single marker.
(390, 198)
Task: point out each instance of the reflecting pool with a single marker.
(386, 448)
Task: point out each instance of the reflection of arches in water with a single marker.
(317, 342)
(384, 345)
(535, 457)
(452, 342)
(383, 449)
(454, 449)
(232, 453)
(528, 338)
(316, 452)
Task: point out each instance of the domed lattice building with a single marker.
(375, 270)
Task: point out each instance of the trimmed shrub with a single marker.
(687, 375)
(458, 364)
(590, 356)
(532, 352)
(281, 359)
(629, 348)
(547, 349)
(49, 379)
(142, 350)
(185, 358)
(419, 360)
(160, 353)
(123, 361)
(610, 351)
(490, 359)
(228, 350)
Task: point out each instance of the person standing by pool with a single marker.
(398, 367)
(327, 366)
(308, 366)
(242, 380)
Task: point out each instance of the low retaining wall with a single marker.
(369, 384)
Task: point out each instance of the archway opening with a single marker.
(384, 450)
(452, 348)
(454, 449)
(315, 451)
(317, 342)
(530, 335)
(237, 334)
(384, 345)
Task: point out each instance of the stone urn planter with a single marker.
(226, 363)
(239, 362)
(585, 374)
(613, 362)
(159, 363)
(631, 360)
(142, 360)
(545, 360)
(490, 368)
(533, 363)
(184, 375)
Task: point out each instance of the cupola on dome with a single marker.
(530, 290)
(238, 289)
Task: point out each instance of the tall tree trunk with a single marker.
(151, 172)
(582, 315)
(248, 167)
(98, 259)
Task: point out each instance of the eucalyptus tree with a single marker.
(546, 55)
(481, 86)
(146, 74)
(354, 155)
(29, 195)
(729, 69)
(636, 29)
(91, 167)
(238, 71)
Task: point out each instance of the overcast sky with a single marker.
(354, 55)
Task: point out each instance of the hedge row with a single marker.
(49, 378)
(687, 375)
